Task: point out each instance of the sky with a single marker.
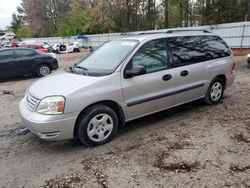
(6, 10)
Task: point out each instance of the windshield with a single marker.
(107, 57)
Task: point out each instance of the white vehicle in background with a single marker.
(5, 43)
(60, 48)
(8, 36)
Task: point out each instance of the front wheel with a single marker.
(43, 70)
(97, 125)
(215, 92)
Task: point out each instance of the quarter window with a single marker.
(153, 56)
(214, 47)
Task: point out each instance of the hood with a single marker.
(58, 84)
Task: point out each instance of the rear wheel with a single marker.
(97, 125)
(43, 70)
(215, 91)
(76, 50)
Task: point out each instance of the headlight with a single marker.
(51, 105)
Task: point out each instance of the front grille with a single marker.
(31, 101)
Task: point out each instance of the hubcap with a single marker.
(44, 70)
(100, 127)
(216, 91)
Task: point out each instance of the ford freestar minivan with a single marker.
(125, 79)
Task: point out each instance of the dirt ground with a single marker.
(194, 145)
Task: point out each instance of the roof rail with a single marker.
(185, 30)
(176, 30)
(151, 33)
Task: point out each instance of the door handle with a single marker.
(184, 73)
(166, 77)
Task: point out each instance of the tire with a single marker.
(97, 125)
(43, 70)
(76, 50)
(215, 91)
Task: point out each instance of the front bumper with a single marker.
(48, 127)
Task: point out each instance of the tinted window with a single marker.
(24, 53)
(186, 50)
(194, 49)
(153, 55)
(6, 54)
(214, 47)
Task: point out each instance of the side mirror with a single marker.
(135, 71)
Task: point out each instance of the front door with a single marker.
(150, 92)
(6, 63)
(24, 61)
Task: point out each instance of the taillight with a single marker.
(233, 68)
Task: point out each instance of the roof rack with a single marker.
(151, 33)
(176, 30)
(185, 30)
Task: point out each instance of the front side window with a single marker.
(153, 56)
(24, 53)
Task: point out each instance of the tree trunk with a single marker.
(166, 21)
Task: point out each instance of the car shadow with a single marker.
(161, 116)
(69, 146)
(19, 78)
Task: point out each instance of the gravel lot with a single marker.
(194, 145)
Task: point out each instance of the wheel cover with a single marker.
(44, 70)
(216, 91)
(100, 127)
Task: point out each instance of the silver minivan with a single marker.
(125, 79)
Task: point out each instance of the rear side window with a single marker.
(194, 49)
(186, 50)
(6, 54)
(214, 47)
(24, 53)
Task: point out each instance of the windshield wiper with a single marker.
(82, 68)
